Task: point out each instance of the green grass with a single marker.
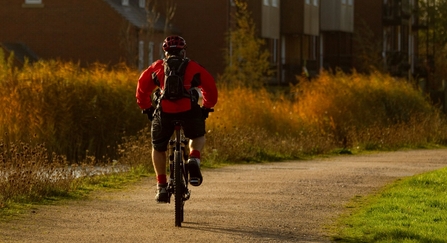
(411, 210)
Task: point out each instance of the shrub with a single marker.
(75, 111)
(331, 112)
(352, 106)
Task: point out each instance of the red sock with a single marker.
(161, 179)
(194, 154)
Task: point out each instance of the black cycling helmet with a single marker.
(174, 44)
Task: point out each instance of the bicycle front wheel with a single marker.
(178, 188)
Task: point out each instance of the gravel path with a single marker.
(273, 202)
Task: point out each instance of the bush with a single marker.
(75, 111)
(332, 112)
(362, 109)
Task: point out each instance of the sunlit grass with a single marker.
(411, 210)
(350, 112)
(76, 112)
(369, 110)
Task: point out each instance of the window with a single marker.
(125, 2)
(308, 2)
(162, 53)
(350, 2)
(310, 46)
(142, 3)
(150, 54)
(140, 55)
(275, 51)
(33, 1)
(33, 4)
(315, 2)
(343, 1)
(266, 3)
(275, 3)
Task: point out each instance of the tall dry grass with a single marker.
(334, 111)
(27, 173)
(76, 112)
(362, 110)
(54, 114)
(255, 125)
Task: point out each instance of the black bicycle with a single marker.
(178, 174)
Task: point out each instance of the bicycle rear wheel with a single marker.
(178, 188)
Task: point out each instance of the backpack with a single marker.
(174, 88)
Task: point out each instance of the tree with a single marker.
(130, 34)
(152, 17)
(247, 63)
(433, 39)
(170, 9)
(368, 50)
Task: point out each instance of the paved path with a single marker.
(274, 202)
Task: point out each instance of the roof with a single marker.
(21, 51)
(137, 15)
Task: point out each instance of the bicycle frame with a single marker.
(178, 176)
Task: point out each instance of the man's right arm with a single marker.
(209, 89)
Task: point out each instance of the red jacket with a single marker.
(146, 86)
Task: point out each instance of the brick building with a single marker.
(105, 31)
(313, 34)
(300, 34)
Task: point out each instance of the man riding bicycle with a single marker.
(166, 109)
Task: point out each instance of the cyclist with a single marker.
(187, 108)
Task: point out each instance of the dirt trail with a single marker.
(274, 202)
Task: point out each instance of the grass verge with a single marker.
(410, 210)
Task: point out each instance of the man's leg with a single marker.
(195, 145)
(159, 162)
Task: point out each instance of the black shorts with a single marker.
(163, 127)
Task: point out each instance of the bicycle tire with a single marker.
(178, 188)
